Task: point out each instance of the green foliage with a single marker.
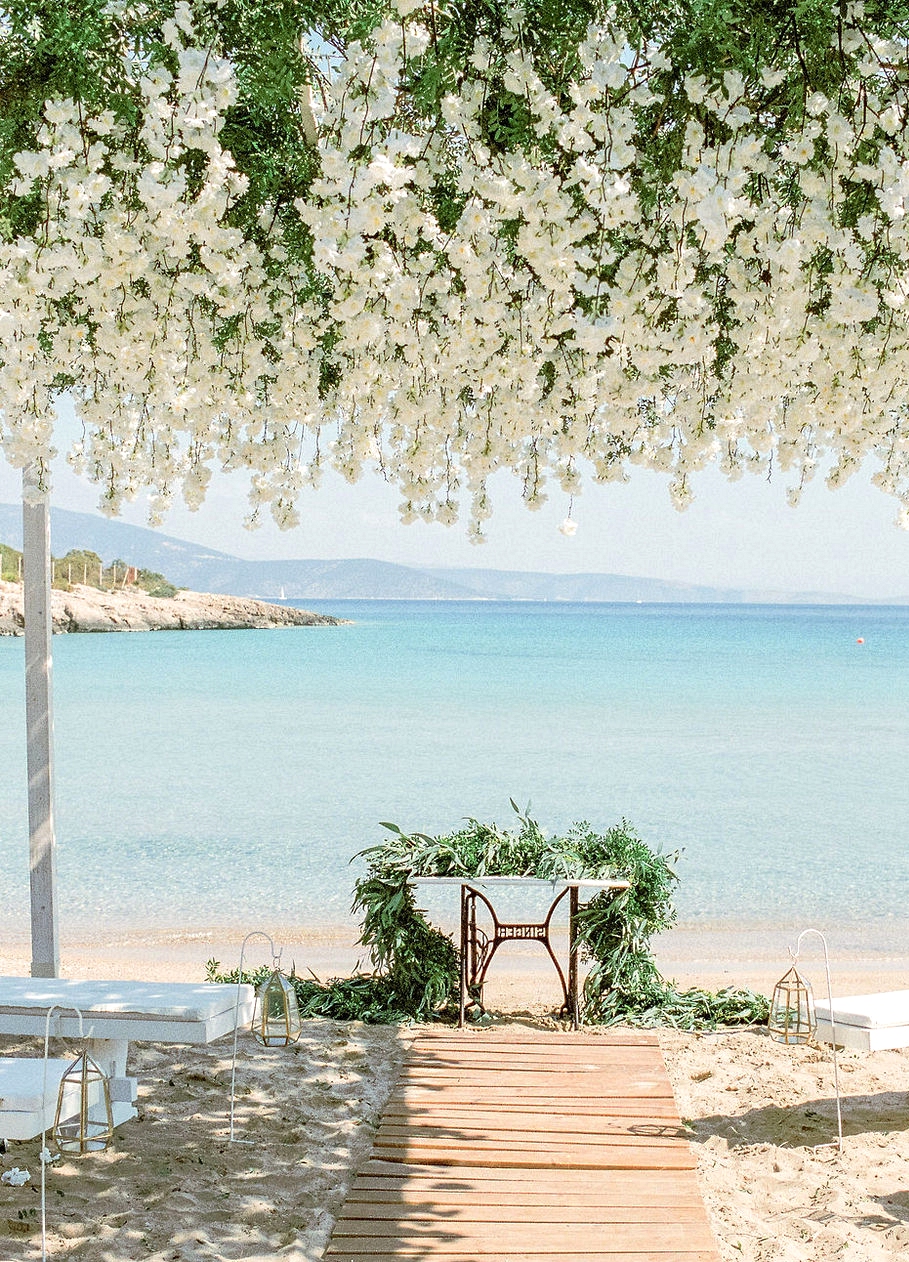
(10, 564)
(623, 982)
(416, 967)
(80, 565)
(418, 962)
(363, 997)
(83, 566)
(155, 584)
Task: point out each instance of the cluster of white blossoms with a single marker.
(580, 314)
(555, 308)
(136, 296)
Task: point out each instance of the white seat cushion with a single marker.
(868, 1012)
(22, 1082)
(178, 1000)
(163, 1012)
(28, 1104)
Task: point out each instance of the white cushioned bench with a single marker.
(26, 1107)
(866, 1023)
(116, 1013)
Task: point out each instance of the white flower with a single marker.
(817, 104)
(569, 527)
(799, 150)
(32, 165)
(695, 88)
(15, 1177)
(772, 78)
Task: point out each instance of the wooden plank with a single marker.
(518, 1055)
(589, 1188)
(431, 1105)
(492, 1125)
(535, 1068)
(443, 1255)
(608, 1089)
(636, 1188)
(479, 1150)
(547, 1238)
(630, 1157)
(589, 1088)
(604, 1036)
(542, 1081)
(540, 1103)
(537, 1240)
(560, 1041)
(425, 1207)
(575, 1073)
(483, 1143)
(621, 1152)
(641, 1063)
(39, 722)
(467, 1176)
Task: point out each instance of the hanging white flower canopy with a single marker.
(448, 299)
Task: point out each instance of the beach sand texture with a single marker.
(173, 1190)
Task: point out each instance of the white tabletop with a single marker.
(531, 882)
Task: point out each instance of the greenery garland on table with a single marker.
(416, 966)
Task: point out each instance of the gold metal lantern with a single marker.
(791, 1017)
(84, 1120)
(276, 1020)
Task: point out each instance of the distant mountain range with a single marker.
(205, 570)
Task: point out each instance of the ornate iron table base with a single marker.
(478, 947)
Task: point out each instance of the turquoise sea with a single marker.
(229, 777)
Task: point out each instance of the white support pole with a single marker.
(39, 715)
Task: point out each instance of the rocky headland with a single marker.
(131, 609)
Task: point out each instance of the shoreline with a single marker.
(86, 609)
(710, 957)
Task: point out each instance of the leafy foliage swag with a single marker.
(416, 966)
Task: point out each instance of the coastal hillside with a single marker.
(206, 569)
(84, 608)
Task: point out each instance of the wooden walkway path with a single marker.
(495, 1148)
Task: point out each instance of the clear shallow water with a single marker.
(231, 776)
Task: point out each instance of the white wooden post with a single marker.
(39, 715)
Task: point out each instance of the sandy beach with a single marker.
(862, 959)
(172, 1189)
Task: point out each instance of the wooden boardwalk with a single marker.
(498, 1148)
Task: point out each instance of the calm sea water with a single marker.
(231, 776)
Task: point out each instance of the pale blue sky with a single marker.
(739, 534)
